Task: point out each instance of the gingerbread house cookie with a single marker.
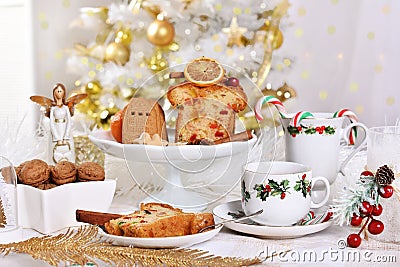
(143, 115)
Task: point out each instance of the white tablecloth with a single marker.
(320, 248)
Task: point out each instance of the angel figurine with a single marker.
(60, 110)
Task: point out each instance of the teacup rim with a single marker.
(305, 168)
(317, 115)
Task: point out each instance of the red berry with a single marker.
(377, 210)
(366, 208)
(321, 132)
(386, 191)
(304, 176)
(283, 195)
(323, 128)
(356, 220)
(375, 227)
(232, 81)
(293, 135)
(367, 173)
(268, 187)
(299, 128)
(318, 129)
(354, 241)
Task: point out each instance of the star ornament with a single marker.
(234, 33)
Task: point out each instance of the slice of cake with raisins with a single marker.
(206, 112)
(159, 220)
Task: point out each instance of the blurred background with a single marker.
(333, 53)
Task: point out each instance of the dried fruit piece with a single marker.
(204, 71)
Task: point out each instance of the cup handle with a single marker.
(357, 147)
(327, 191)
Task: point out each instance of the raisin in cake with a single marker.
(159, 220)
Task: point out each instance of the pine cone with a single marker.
(384, 175)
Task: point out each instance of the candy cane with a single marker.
(295, 121)
(272, 100)
(353, 118)
(310, 219)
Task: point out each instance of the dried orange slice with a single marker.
(204, 71)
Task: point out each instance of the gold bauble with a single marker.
(97, 51)
(93, 89)
(88, 107)
(276, 38)
(104, 117)
(118, 53)
(124, 36)
(157, 62)
(161, 33)
(272, 32)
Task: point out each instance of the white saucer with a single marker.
(274, 232)
(161, 242)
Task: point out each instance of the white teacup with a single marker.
(319, 148)
(281, 189)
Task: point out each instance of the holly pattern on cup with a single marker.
(245, 193)
(303, 185)
(309, 130)
(272, 188)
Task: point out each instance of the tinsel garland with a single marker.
(85, 247)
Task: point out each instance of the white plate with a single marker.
(161, 242)
(275, 232)
(184, 153)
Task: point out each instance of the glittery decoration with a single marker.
(3, 219)
(44, 24)
(85, 150)
(323, 94)
(66, 3)
(235, 33)
(390, 100)
(331, 29)
(371, 35)
(271, 40)
(299, 32)
(386, 9)
(360, 109)
(118, 53)
(305, 75)
(354, 87)
(301, 11)
(378, 68)
(83, 246)
(156, 62)
(48, 75)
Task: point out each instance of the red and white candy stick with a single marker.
(272, 100)
(298, 117)
(353, 118)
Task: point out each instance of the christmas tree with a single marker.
(139, 39)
